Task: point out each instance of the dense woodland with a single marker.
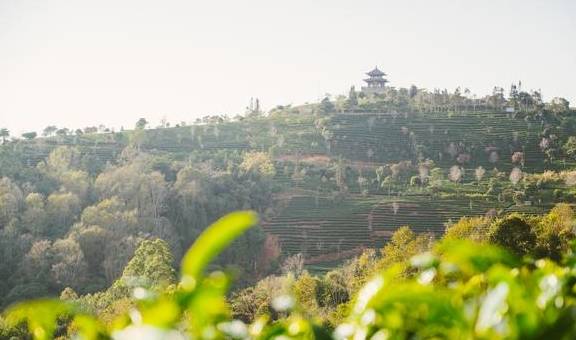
(70, 222)
(91, 214)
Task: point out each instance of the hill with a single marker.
(329, 179)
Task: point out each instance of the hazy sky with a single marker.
(75, 63)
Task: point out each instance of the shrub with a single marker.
(514, 233)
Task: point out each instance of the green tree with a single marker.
(326, 106)
(141, 124)
(555, 231)
(258, 163)
(137, 186)
(514, 233)
(352, 100)
(29, 135)
(69, 267)
(60, 160)
(559, 105)
(90, 130)
(34, 217)
(469, 228)
(569, 147)
(68, 294)
(37, 261)
(151, 266)
(305, 292)
(112, 215)
(49, 130)
(62, 209)
(402, 246)
(77, 182)
(118, 251)
(93, 240)
(62, 132)
(333, 290)
(4, 134)
(11, 199)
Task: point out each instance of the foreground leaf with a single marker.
(211, 242)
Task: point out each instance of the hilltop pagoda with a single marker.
(376, 83)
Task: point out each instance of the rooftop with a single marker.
(376, 80)
(376, 73)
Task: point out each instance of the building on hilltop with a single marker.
(376, 83)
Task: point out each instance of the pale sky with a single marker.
(74, 63)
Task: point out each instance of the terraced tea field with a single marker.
(318, 226)
(387, 138)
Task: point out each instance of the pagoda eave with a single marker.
(369, 80)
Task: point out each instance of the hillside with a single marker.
(344, 180)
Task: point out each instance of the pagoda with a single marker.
(376, 83)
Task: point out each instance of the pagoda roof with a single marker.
(376, 73)
(376, 80)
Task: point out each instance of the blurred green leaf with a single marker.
(164, 313)
(211, 242)
(208, 303)
(40, 315)
(88, 328)
(472, 258)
